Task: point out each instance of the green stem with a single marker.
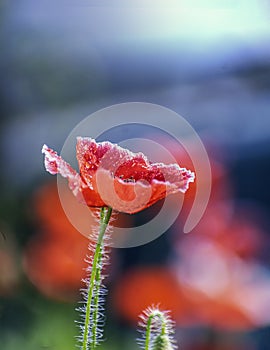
(94, 282)
(149, 324)
(97, 282)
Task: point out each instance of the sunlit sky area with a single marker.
(145, 20)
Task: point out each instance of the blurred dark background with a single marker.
(208, 61)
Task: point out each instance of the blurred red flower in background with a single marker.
(147, 285)
(114, 176)
(55, 265)
(208, 286)
(190, 305)
(219, 260)
(234, 228)
(54, 257)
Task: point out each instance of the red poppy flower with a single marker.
(113, 176)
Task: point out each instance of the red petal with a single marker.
(124, 197)
(127, 181)
(113, 176)
(132, 197)
(55, 164)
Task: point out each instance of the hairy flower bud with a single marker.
(162, 342)
(157, 330)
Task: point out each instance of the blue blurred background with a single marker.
(208, 61)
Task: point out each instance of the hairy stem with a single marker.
(157, 330)
(96, 301)
(149, 324)
(92, 302)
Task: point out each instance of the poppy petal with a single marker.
(114, 176)
(54, 164)
(127, 181)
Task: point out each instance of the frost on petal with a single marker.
(176, 178)
(114, 176)
(127, 181)
(132, 197)
(54, 164)
(124, 164)
(119, 161)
